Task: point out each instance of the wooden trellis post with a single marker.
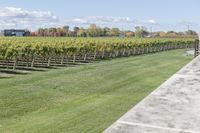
(197, 50)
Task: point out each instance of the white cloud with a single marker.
(188, 24)
(99, 20)
(109, 21)
(181, 25)
(12, 17)
(152, 21)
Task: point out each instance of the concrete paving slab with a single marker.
(138, 128)
(172, 108)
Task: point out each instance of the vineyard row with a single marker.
(46, 52)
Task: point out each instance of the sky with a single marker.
(159, 15)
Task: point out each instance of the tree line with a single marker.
(96, 31)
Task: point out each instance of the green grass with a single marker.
(83, 99)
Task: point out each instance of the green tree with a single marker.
(81, 32)
(191, 33)
(141, 32)
(76, 29)
(114, 32)
(106, 31)
(66, 30)
(94, 31)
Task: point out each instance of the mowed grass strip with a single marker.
(83, 99)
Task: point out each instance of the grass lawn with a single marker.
(83, 99)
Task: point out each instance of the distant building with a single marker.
(14, 32)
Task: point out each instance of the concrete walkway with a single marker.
(172, 108)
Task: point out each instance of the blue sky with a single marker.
(125, 14)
